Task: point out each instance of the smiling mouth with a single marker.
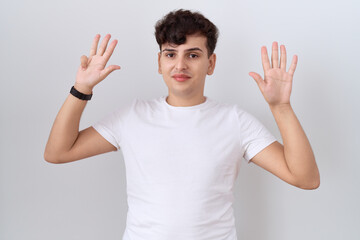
(181, 77)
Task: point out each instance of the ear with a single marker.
(159, 64)
(212, 62)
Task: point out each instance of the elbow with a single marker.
(309, 181)
(51, 158)
(310, 185)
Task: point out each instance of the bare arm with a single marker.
(293, 162)
(66, 143)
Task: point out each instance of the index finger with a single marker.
(94, 45)
(265, 59)
(293, 65)
(109, 51)
(283, 57)
(275, 55)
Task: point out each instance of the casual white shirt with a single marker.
(181, 165)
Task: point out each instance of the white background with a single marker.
(40, 47)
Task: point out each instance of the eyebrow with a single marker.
(187, 50)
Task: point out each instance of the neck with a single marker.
(185, 102)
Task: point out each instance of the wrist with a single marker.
(80, 95)
(83, 89)
(280, 107)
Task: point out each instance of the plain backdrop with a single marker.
(41, 43)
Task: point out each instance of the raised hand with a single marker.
(277, 83)
(92, 69)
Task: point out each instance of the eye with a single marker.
(170, 55)
(193, 55)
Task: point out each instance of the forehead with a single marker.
(192, 41)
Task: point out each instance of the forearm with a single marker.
(65, 129)
(297, 150)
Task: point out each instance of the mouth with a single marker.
(181, 77)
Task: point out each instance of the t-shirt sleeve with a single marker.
(111, 126)
(254, 136)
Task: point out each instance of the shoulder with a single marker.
(238, 112)
(246, 121)
(220, 106)
(143, 105)
(136, 104)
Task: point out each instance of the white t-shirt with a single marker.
(181, 165)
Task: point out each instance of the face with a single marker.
(184, 67)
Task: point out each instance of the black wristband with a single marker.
(80, 95)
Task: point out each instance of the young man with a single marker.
(182, 151)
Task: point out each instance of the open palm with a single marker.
(277, 83)
(92, 69)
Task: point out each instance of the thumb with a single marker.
(84, 62)
(258, 79)
(109, 70)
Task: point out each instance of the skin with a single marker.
(66, 143)
(292, 162)
(188, 61)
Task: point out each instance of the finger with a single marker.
(109, 51)
(275, 55)
(103, 45)
(108, 70)
(83, 62)
(94, 45)
(258, 79)
(265, 59)
(293, 65)
(283, 57)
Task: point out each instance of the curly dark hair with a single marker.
(176, 25)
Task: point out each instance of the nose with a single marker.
(180, 63)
